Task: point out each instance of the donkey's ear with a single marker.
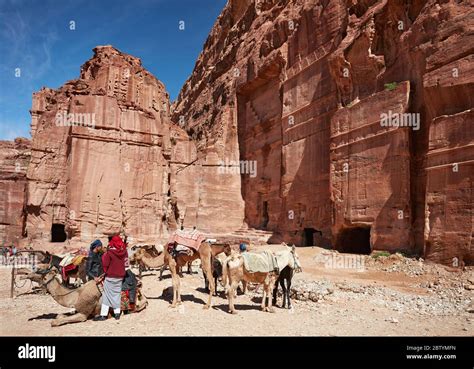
(47, 253)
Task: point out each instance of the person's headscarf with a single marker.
(243, 247)
(117, 244)
(94, 245)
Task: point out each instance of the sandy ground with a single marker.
(377, 305)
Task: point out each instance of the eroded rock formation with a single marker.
(107, 169)
(339, 123)
(14, 159)
(312, 92)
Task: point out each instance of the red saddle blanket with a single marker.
(191, 239)
(67, 269)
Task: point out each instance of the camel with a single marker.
(217, 251)
(86, 299)
(234, 271)
(204, 253)
(149, 257)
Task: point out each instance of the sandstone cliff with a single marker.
(14, 159)
(341, 123)
(301, 88)
(106, 169)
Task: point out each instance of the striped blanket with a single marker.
(191, 239)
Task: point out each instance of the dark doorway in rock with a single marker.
(354, 240)
(58, 233)
(169, 184)
(308, 236)
(312, 237)
(265, 216)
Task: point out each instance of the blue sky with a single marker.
(35, 36)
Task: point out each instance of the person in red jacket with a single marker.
(113, 262)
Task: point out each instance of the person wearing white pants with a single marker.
(113, 262)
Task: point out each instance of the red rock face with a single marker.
(105, 171)
(345, 124)
(14, 158)
(355, 113)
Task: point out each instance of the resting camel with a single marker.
(86, 299)
(234, 271)
(205, 253)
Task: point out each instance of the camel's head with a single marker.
(48, 275)
(137, 252)
(131, 254)
(135, 255)
(40, 276)
(35, 277)
(227, 249)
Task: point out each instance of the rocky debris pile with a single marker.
(397, 263)
(311, 290)
(301, 290)
(441, 280)
(445, 300)
(413, 267)
(469, 285)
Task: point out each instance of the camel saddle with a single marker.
(72, 259)
(175, 250)
(191, 239)
(70, 262)
(264, 262)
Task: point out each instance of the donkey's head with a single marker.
(294, 261)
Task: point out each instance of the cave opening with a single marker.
(308, 236)
(354, 240)
(265, 215)
(58, 233)
(312, 237)
(169, 184)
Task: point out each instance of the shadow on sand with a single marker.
(50, 316)
(238, 307)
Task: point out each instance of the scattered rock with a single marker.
(470, 308)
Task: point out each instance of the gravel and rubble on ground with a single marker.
(325, 301)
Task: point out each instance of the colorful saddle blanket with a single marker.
(69, 263)
(191, 239)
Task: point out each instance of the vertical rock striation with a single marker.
(357, 113)
(100, 152)
(342, 123)
(14, 158)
